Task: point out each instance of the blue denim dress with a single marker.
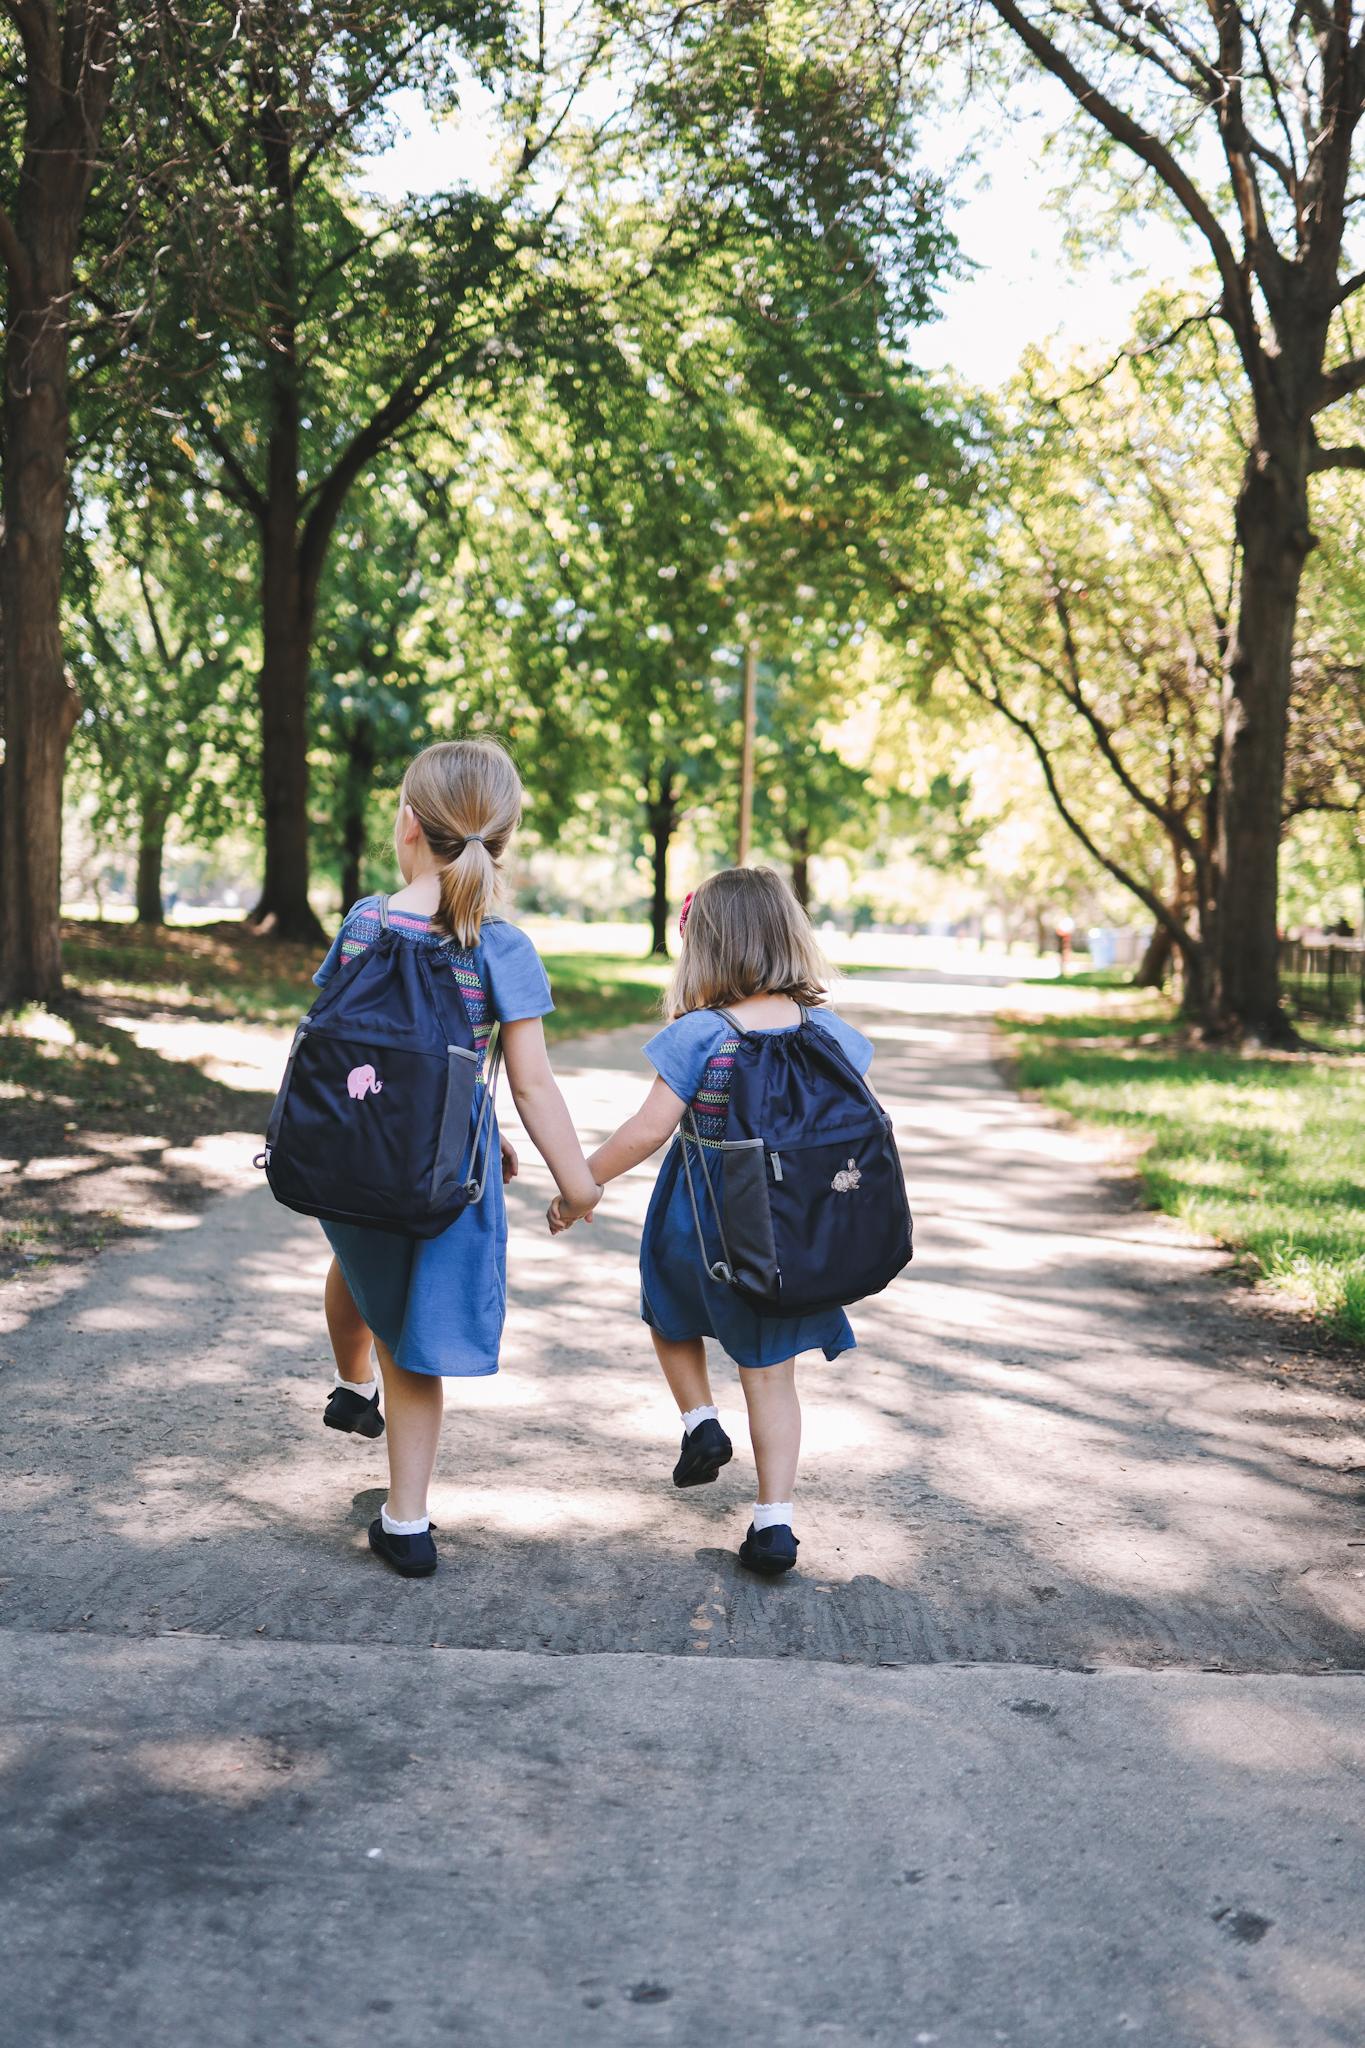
(439, 1303)
(678, 1297)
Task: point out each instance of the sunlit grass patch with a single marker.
(603, 991)
(1265, 1154)
(223, 971)
(219, 970)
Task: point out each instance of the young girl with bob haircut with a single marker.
(435, 1307)
(747, 949)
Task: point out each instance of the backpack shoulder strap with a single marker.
(383, 913)
(718, 1010)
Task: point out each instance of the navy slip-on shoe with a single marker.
(353, 1413)
(413, 1556)
(704, 1450)
(769, 1551)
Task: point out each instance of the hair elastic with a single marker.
(474, 839)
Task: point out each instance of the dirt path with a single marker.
(1065, 1441)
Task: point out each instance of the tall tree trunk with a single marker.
(39, 705)
(287, 614)
(69, 69)
(360, 762)
(800, 846)
(661, 814)
(352, 856)
(151, 840)
(288, 592)
(1274, 536)
(1162, 953)
(1155, 965)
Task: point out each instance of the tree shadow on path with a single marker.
(1062, 1440)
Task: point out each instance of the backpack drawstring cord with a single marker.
(723, 1269)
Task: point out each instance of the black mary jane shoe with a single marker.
(769, 1551)
(353, 1413)
(412, 1556)
(704, 1450)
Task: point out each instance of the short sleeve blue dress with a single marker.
(438, 1304)
(695, 1055)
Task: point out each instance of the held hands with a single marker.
(562, 1214)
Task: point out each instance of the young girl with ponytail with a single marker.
(434, 1307)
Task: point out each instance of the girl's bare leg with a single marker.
(347, 1328)
(412, 1404)
(684, 1367)
(774, 1426)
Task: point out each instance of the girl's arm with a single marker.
(655, 1120)
(545, 1114)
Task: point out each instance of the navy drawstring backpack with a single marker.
(372, 1123)
(812, 1212)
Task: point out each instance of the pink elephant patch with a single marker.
(362, 1081)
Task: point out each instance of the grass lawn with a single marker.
(220, 971)
(94, 1127)
(1264, 1153)
(602, 991)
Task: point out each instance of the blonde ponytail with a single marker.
(466, 796)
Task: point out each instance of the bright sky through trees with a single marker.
(1027, 288)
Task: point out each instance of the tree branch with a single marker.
(1287, 168)
(375, 88)
(1069, 685)
(1339, 382)
(1238, 147)
(246, 492)
(990, 694)
(533, 147)
(1303, 807)
(178, 458)
(1137, 355)
(1217, 613)
(157, 634)
(1150, 15)
(1237, 305)
(1350, 456)
(401, 405)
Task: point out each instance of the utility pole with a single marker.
(746, 756)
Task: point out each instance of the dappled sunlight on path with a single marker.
(1065, 1440)
(1062, 1438)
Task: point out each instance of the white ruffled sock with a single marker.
(392, 1528)
(772, 1514)
(696, 1415)
(367, 1389)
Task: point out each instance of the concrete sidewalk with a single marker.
(1065, 1441)
(249, 1843)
